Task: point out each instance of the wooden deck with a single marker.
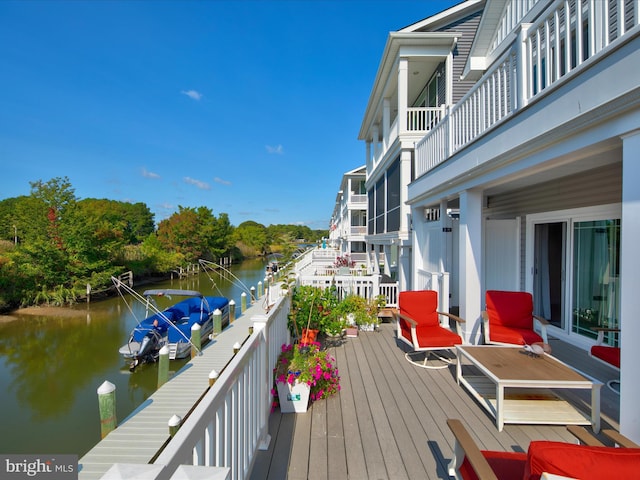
(389, 420)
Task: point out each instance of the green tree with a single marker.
(196, 233)
(252, 238)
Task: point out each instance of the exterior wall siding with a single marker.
(467, 26)
(599, 186)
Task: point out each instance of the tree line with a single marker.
(52, 244)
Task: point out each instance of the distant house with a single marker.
(503, 152)
(349, 219)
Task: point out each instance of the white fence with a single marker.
(366, 286)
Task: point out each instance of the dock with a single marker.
(139, 438)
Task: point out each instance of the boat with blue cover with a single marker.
(172, 325)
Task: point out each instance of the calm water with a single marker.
(50, 368)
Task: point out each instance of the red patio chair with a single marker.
(607, 354)
(418, 323)
(545, 459)
(509, 319)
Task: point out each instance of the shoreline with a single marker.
(60, 312)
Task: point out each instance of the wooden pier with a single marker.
(139, 438)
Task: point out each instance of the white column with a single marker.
(376, 142)
(403, 86)
(629, 298)
(405, 180)
(386, 123)
(471, 263)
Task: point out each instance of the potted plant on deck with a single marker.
(304, 373)
(312, 311)
(359, 312)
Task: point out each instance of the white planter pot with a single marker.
(367, 327)
(293, 398)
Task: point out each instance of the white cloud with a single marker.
(277, 150)
(193, 94)
(147, 174)
(221, 181)
(198, 183)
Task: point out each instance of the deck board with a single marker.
(389, 419)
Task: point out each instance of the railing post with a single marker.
(260, 325)
(522, 67)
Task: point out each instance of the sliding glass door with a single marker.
(596, 266)
(574, 260)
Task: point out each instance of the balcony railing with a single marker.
(544, 53)
(420, 120)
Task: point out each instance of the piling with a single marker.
(243, 302)
(213, 376)
(253, 295)
(217, 321)
(174, 424)
(107, 406)
(163, 366)
(196, 342)
(236, 347)
(232, 311)
(260, 286)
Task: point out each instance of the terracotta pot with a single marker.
(308, 336)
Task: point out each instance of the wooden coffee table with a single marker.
(518, 388)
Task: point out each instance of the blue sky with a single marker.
(251, 108)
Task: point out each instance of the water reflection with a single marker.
(51, 367)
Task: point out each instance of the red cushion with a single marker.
(516, 336)
(429, 337)
(511, 309)
(611, 355)
(420, 305)
(581, 461)
(506, 465)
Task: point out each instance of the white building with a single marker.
(349, 219)
(418, 80)
(527, 180)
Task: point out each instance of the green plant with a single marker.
(358, 310)
(313, 308)
(308, 364)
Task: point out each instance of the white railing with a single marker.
(358, 230)
(358, 199)
(491, 100)
(438, 281)
(367, 286)
(423, 119)
(544, 53)
(230, 423)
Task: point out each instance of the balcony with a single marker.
(545, 54)
(420, 120)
